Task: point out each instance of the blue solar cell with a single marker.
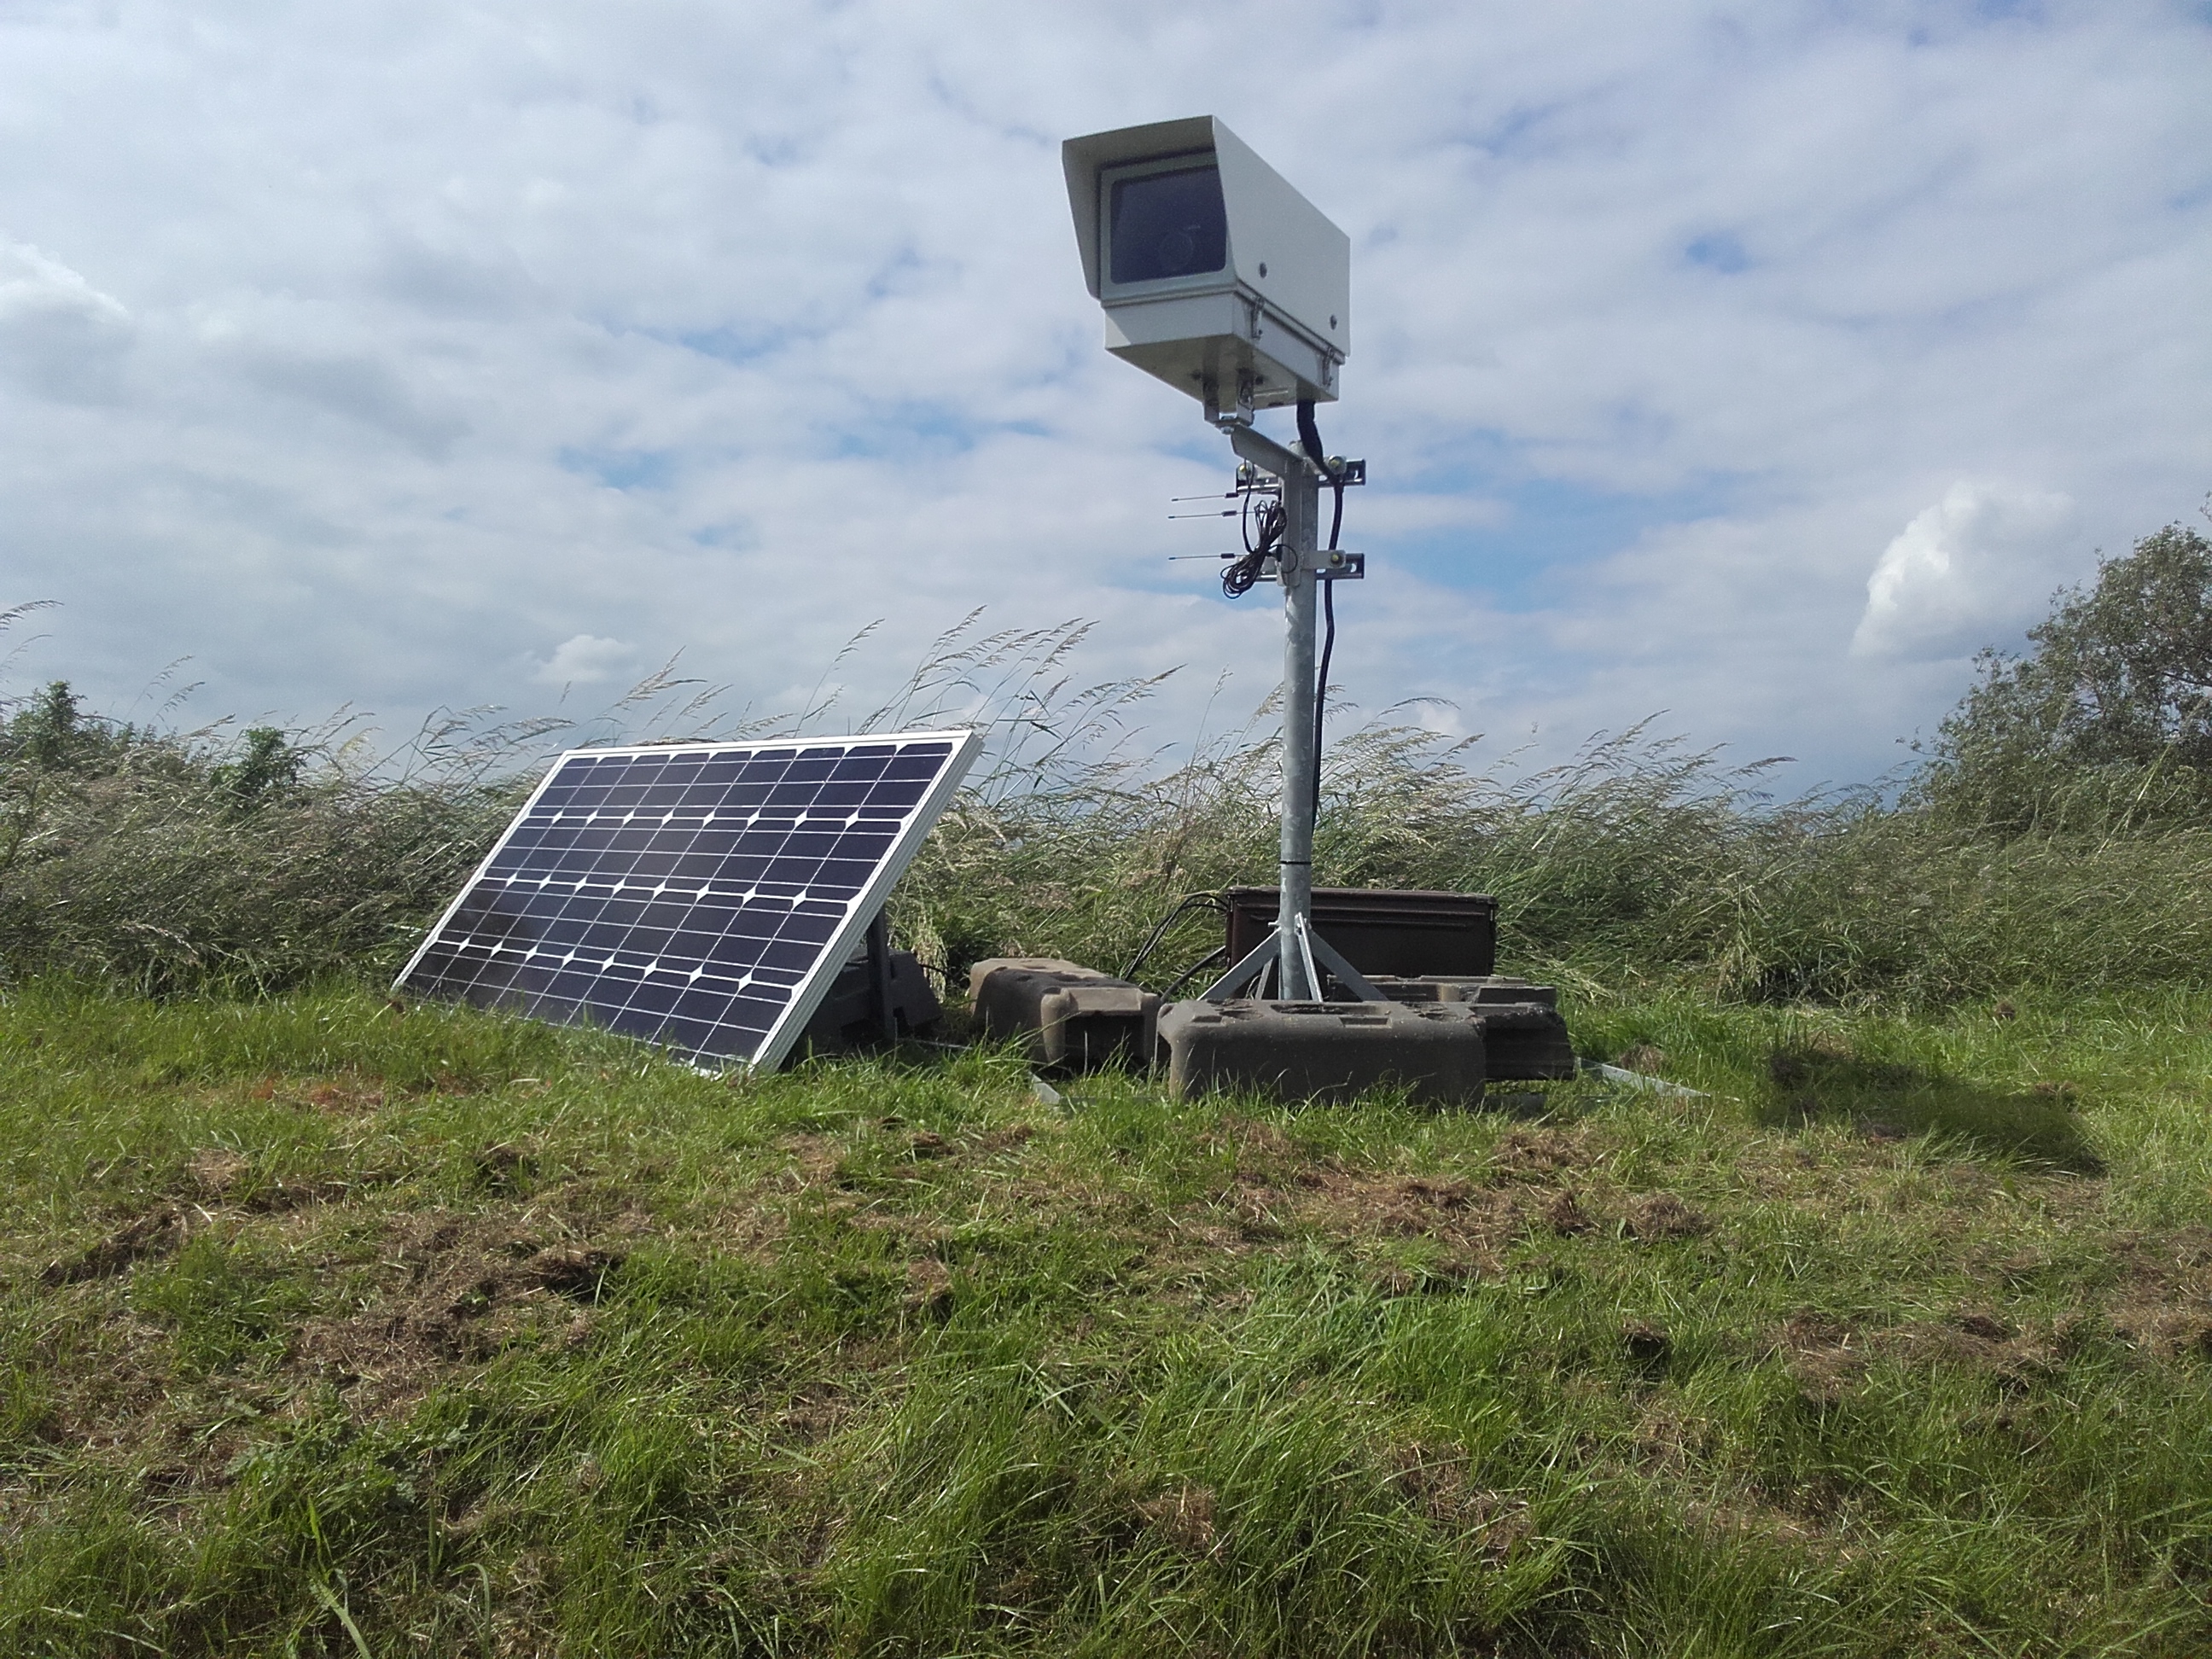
(701, 896)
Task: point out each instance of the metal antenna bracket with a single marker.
(1270, 457)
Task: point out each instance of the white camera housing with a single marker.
(1215, 274)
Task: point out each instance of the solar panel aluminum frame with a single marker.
(850, 935)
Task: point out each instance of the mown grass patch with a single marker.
(326, 1326)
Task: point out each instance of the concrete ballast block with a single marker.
(1325, 1050)
(1072, 1018)
(1529, 1039)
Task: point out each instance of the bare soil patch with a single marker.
(1546, 1151)
(1432, 1477)
(457, 1290)
(2163, 1301)
(1655, 1217)
(158, 1232)
(1828, 1359)
(1185, 1519)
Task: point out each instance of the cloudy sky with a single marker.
(1753, 363)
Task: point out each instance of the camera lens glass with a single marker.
(1168, 224)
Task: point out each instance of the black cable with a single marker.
(1217, 955)
(1211, 901)
(1310, 434)
(1238, 579)
(1320, 685)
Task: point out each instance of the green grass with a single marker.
(330, 1330)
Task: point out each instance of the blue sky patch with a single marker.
(1719, 250)
(623, 469)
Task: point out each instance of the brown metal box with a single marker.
(1381, 930)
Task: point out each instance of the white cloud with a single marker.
(452, 333)
(1974, 567)
(33, 284)
(60, 337)
(587, 660)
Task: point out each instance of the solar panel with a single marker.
(701, 896)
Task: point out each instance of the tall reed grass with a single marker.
(165, 859)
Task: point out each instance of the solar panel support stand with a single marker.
(1296, 954)
(879, 976)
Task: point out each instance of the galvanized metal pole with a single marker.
(1295, 950)
(1301, 526)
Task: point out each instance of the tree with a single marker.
(2119, 673)
(2118, 680)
